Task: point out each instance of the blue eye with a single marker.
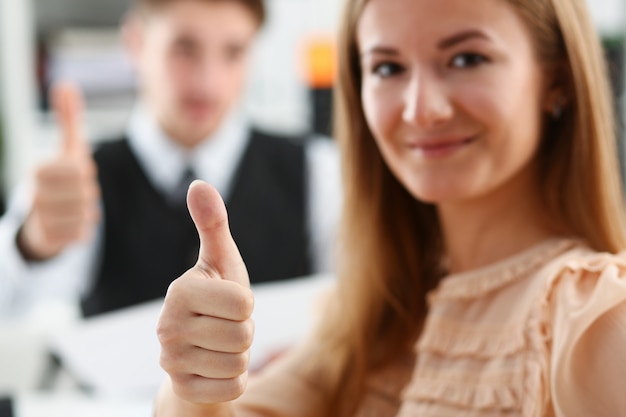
(387, 69)
(467, 60)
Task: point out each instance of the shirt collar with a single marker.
(164, 161)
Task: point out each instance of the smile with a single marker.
(440, 149)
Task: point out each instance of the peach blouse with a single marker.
(540, 334)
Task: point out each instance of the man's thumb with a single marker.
(218, 251)
(68, 105)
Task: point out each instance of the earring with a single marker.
(558, 106)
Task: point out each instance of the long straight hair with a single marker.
(391, 244)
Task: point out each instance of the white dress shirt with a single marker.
(68, 276)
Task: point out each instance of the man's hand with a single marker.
(66, 196)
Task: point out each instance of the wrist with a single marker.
(168, 404)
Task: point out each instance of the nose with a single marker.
(426, 102)
(205, 69)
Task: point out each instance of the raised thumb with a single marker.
(218, 251)
(68, 105)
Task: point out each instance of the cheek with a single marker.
(237, 77)
(382, 112)
(509, 112)
(159, 69)
(509, 119)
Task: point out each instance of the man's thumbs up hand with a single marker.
(205, 329)
(66, 194)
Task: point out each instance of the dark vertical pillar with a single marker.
(320, 68)
(6, 407)
(322, 110)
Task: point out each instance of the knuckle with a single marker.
(175, 289)
(240, 363)
(45, 171)
(168, 333)
(185, 387)
(39, 201)
(163, 334)
(244, 305)
(244, 335)
(174, 359)
(73, 171)
(231, 389)
(238, 385)
(196, 389)
(167, 362)
(50, 234)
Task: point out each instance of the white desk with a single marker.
(69, 405)
(117, 354)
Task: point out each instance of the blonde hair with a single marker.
(391, 243)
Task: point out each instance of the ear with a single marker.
(132, 35)
(557, 88)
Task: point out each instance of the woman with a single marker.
(483, 220)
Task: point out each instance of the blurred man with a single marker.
(94, 227)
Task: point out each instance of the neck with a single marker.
(185, 136)
(485, 230)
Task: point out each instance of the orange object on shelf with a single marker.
(320, 64)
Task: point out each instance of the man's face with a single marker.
(192, 58)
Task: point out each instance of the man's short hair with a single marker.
(257, 7)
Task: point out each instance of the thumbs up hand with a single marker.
(205, 329)
(66, 194)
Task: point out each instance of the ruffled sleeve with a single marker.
(586, 308)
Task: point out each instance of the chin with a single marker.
(200, 127)
(437, 194)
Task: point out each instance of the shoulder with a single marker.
(276, 142)
(583, 279)
(114, 148)
(586, 310)
(583, 284)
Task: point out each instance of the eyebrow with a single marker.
(381, 50)
(445, 43)
(462, 37)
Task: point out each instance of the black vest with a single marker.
(148, 242)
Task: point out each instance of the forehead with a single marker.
(204, 19)
(421, 23)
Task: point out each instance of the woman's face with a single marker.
(453, 94)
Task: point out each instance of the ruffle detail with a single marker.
(478, 357)
(474, 284)
(595, 262)
(474, 397)
(451, 339)
(536, 398)
(586, 286)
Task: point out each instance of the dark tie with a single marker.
(178, 197)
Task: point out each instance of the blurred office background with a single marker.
(44, 40)
(41, 40)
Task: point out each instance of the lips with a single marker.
(199, 109)
(438, 148)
